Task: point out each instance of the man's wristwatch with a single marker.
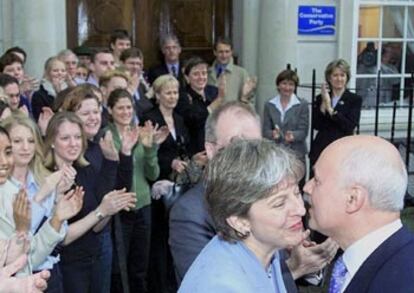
(99, 215)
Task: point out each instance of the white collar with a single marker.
(356, 254)
(292, 102)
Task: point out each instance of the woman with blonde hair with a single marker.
(49, 209)
(65, 144)
(54, 81)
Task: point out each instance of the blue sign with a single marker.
(316, 20)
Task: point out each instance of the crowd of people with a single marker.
(92, 154)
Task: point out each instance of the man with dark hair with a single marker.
(120, 41)
(171, 50)
(102, 61)
(236, 77)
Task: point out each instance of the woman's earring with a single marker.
(243, 235)
(52, 146)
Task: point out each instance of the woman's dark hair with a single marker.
(193, 62)
(116, 95)
(287, 74)
(17, 50)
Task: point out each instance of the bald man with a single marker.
(356, 197)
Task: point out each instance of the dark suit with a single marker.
(170, 149)
(191, 228)
(161, 273)
(41, 98)
(162, 69)
(143, 104)
(390, 268)
(340, 124)
(193, 108)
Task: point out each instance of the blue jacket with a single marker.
(231, 267)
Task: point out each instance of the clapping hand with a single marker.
(248, 88)
(160, 134)
(178, 165)
(70, 204)
(108, 147)
(129, 138)
(289, 137)
(146, 134)
(35, 283)
(29, 84)
(67, 179)
(44, 119)
(326, 99)
(117, 200)
(22, 212)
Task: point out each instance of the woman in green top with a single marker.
(136, 223)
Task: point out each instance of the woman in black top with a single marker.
(65, 144)
(336, 112)
(196, 101)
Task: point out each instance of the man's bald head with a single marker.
(373, 163)
(230, 120)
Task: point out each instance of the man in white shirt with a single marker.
(356, 197)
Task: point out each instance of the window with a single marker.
(385, 43)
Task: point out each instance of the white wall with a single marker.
(38, 26)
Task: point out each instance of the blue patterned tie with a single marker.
(220, 70)
(174, 70)
(338, 276)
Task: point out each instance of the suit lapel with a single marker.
(363, 277)
(342, 102)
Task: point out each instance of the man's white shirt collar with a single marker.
(358, 252)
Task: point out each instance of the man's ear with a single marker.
(356, 199)
(112, 45)
(210, 149)
(241, 225)
(187, 79)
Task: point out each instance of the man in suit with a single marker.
(191, 226)
(171, 50)
(356, 197)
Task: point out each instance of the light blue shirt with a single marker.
(39, 211)
(232, 267)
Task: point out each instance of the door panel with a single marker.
(197, 23)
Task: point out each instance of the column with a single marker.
(39, 26)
